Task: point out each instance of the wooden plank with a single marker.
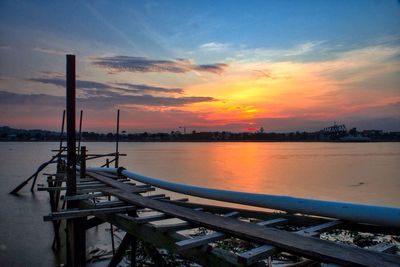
(161, 198)
(184, 199)
(153, 218)
(294, 243)
(70, 214)
(253, 255)
(273, 222)
(256, 254)
(116, 184)
(385, 247)
(155, 196)
(295, 219)
(84, 196)
(217, 236)
(172, 227)
(200, 240)
(316, 230)
(133, 189)
(110, 204)
(150, 218)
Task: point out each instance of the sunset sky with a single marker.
(206, 65)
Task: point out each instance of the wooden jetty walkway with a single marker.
(93, 197)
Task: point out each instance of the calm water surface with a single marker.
(353, 172)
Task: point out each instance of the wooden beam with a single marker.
(153, 218)
(116, 184)
(293, 243)
(208, 257)
(296, 220)
(70, 214)
(273, 222)
(84, 196)
(316, 230)
(385, 247)
(253, 255)
(172, 227)
(217, 236)
(92, 222)
(126, 241)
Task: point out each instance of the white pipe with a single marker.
(379, 215)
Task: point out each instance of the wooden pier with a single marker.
(195, 232)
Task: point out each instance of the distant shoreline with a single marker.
(206, 141)
(330, 134)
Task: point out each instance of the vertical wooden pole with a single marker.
(83, 162)
(117, 143)
(71, 138)
(80, 131)
(76, 240)
(62, 130)
(111, 226)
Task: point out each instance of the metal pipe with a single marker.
(379, 215)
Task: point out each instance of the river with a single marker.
(352, 172)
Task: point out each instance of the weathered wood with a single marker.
(256, 254)
(92, 222)
(76, 236)
(150, 218)
(41, 167)
(172, 227)
(200, 240)
(160, 198)
(70, 214)
(273, 222)
(385, 247)
(296, 220)
(261, 252)
(120, 251)
(111, 204)
(84, 196)
(184, 199)
(316, 230)
(206, 257)
(115, 184)
(84, 193)
(82, 169)
(217, 236)
(294, 243)
(155, 196)
(153, 218)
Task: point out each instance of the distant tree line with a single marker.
(12, 134)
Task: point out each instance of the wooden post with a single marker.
(62, 130)
(111, 226)
(76, 239)
(117, 143)
(71, 138)
(80, 131)
(83, 162)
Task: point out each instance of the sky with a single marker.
(204, 65)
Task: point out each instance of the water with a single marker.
(353, 172)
